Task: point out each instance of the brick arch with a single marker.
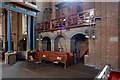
(46, 43)
(47, 35)
(58, 43)
(63, 35)
(75, 33)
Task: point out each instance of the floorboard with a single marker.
(25, 69)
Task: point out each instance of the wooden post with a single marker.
(51, 24)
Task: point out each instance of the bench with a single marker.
(56, 57)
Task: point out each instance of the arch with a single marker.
(75, 33)
(79, 34)
(76, 41)
(46, 43)
(79, 45)
(47, 35)
(60, 43)
(64, 35)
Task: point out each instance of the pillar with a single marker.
(40, 44)
(34, 34)
(29, 32)
(72, 44)
(9, 31)
(52, 45)
(4, 30)
(68, 45)
(15, 26)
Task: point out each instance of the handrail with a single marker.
(84, 48)
(103, 75)
(79, 19)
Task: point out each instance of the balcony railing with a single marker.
(80, 19)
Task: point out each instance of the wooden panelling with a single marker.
(56, 57)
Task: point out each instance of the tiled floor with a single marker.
(25, 69)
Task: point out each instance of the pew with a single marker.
(56, 57)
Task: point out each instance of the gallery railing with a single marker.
(80, 19)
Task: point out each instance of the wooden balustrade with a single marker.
(70, 21)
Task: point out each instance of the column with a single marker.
(15, 27)
(68, 45)
(9, 31)
(34, 34)
(29, 32)
(52, 45)
(40, 45)
(72, 45)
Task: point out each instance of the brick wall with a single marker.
(119, 35)
(4, 28)
(104, 50)
(88, 5)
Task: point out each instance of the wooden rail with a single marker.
(84, 49)
(84, 18)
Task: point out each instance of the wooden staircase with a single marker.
(84, 49)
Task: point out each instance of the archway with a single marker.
(22, 44)
(46, 44)
(60, 43)
(79, 45)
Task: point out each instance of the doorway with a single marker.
(23, 44)
(46, 44)
(79, 46)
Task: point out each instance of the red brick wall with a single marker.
(88, 5)
(119, 35)
(104, 49)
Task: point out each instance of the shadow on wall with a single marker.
(23, 44)
(1, 45)
(60, 44)
(46, 44)
(76, 42)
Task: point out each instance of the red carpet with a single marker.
(114, 76)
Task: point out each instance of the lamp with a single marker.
(24, 39)
(37, 39)
(87, 36)
(93, 37)
(41, 37)
(90, 33)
